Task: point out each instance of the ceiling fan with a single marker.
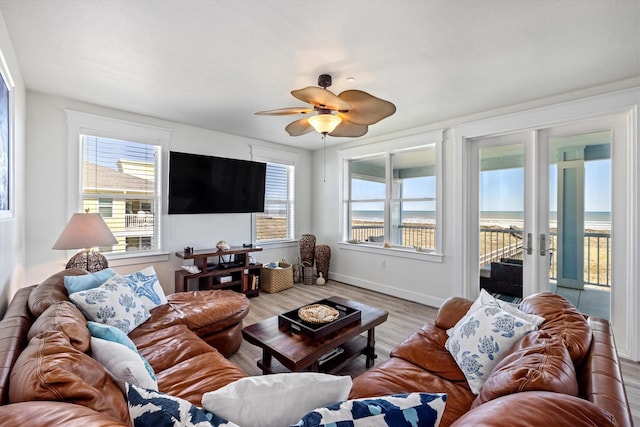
(346, 115)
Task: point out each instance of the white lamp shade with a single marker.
(324, 123)
(83, 231)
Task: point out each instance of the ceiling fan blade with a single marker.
(286, 111)
(321, 98)
(349, 129)
(366, 109)
(299, 127)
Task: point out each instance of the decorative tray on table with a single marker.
(319, 318)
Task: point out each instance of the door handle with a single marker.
(529, 243)
(543, 244)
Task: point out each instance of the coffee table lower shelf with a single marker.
(351, 349)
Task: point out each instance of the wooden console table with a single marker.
(244, 277)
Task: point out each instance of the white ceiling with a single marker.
(213, 64)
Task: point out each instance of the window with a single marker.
(391, 197)
(105, 207)
(277, 221)
(119, 180)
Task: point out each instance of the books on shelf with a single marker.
(252, 282)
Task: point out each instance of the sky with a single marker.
(506, 187)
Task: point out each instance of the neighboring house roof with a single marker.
(112, 180)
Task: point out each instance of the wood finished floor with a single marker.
(404, 318)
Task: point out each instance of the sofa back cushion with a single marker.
(538, 408)
(562, 320)
(66, 318)
(451, 311)
(50, 368)
(537, 362)
(51, 291)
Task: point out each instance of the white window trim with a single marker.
(79, 123)
(289, 158)
(390, 147)
(10, 213)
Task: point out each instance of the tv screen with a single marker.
(207, 184)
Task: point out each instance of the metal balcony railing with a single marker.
(496, 243)
(139, 221)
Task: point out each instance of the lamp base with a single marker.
(88, 260)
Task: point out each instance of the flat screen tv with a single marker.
(207, 184)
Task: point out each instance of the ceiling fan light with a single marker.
(324, 123)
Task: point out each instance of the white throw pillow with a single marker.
(486, 298)
(122, 364)
(112, 303)
(276, 400)
(481, 338)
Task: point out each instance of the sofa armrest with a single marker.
(537, 409)
(54, 414)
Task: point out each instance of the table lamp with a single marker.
(85, 231)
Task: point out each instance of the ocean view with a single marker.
(593, 220)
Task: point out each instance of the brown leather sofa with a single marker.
(532, 385)
(47, 374)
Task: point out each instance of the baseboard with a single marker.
(388, 290)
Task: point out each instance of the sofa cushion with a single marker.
(399, 410)
(276, 400)
(66, 318)
(537, 408)
(87, 281)
(191, 368)
(451, 311)
(51, 291)
(122, 364)
(215, 316)
(56, 414)
(426, 348)
(183, 342)
(562, 320)
(537, 362)
(396, 375)
(112, 303)
(50, 368)
(479, 340)
(151, 408)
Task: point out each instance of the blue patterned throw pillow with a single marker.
(398, 410)
(149, 408)
(481, 338)
(147, 287)
(112, 304)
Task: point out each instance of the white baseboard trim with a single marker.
(387, 290)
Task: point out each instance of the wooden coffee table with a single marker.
(295, 351)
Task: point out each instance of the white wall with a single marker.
(12, 243)
(47, 198)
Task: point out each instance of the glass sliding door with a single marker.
(500, 187)
(541, 214)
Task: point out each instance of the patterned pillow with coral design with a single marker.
(113, 304)
(479, 341)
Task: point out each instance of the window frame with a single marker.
(387, 149)
(284, 158)
(81, 123)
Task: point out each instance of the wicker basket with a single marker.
(276, 280)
